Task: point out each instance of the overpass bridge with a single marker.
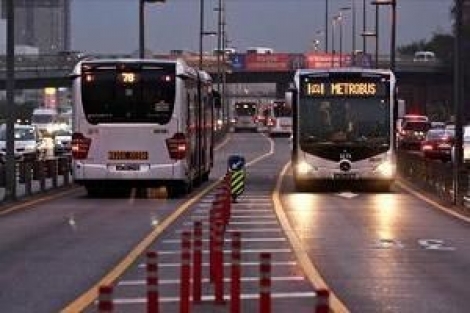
(419, 83)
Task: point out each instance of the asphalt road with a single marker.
(378, 252)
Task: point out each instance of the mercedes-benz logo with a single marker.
(345, 166)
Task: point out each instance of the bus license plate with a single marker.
(344, 176)
(127, 167)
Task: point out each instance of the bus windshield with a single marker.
(128, 95)
(354, 120)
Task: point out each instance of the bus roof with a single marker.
(181, 66)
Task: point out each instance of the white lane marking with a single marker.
(243, 296)
(348, 195)
(206, 264)
(241, 230)
(140, 282)
(279, 239)
(385, 243)
(202, 211)
(435, 244)
(235, 216)
(239, 223)
(249, 251)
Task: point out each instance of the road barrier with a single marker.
(219, 262)
(152, 283)
(39, 175)
(105, 299)
(185, 277)
(235, 273)
(323, 301)
(197, 261)
(265, 283)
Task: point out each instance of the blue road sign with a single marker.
(236, 162)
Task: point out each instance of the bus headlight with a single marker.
(386, 169)
(304, 168)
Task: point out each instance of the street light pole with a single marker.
(353, 37)
(141, 29)
(327, 21)
(10, 177)
(458, 102)
(201, 30)
(364, 26)
(142, 25)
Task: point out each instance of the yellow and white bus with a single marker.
(139, 123)
(343, 127)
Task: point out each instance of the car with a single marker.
(424, 56)
(409, 117)
(466, 144)
(438, 125)
(62, 141)
(412, 133)
(438, 144)
(27, 143)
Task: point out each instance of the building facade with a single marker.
(42, 23)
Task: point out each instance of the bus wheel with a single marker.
(178, 189)
(94, 191)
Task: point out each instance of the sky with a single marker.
(111, 26)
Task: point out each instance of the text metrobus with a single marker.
(343, 126)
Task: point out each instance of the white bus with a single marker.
(141, 123)
(245, 116)
(343, 127)
(280, 118)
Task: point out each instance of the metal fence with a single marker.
(432, 176)
(36, 176)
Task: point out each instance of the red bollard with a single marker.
(219, 263)
(235, 273)
(197, 262)
(105, 299)
(152, 282)
(265, 283)
(219, 205)
(323, 301)
(185, 281)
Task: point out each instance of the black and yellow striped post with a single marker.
(236, 167)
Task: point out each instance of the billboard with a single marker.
(327, 60)
(274, 62)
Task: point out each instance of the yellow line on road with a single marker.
(302, 257)
(30, 203)
(89, 296)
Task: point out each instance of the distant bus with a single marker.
(343, 127)
(259, 50)
(280, 118)
(245, 116)
(227, 51)
(141, 123)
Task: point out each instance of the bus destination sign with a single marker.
(344, 89)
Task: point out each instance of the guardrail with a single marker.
(36, 176)
(432, 176)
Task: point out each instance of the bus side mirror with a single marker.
(217, 99)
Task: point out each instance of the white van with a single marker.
(259, 50)
(424, 56)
